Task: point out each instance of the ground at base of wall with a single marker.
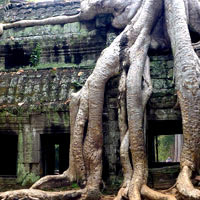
(103, 197)
(7, 187)
(108, 193)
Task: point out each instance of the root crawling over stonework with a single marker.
(33, 194)
(128, 56)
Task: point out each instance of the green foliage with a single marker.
(165, 147)
(48, 66)
(77, 84)
(30, 179)
(35, 56)
(75, 186)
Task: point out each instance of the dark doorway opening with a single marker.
(8, 154)
(164, 142)
(55, 153)
(16, 57)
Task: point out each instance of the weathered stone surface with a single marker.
(163, 178)
(40, 96)
(72, 44)
(22, 10)
(163, 99)
(39, 88)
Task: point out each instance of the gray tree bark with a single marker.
(142, 22)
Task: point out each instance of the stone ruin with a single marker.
(34, 100)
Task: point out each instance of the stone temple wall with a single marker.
(34, 99)
(73, 44)
(21, 10)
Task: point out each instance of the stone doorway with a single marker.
(8, 153)
(55, 153)
(164, 138)
(166, 133)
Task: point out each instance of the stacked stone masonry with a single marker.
(23, 10)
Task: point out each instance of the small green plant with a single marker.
(77, 84)
(75, 186)
(35, 56)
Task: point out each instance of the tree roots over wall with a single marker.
(156, 24)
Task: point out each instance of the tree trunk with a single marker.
(187, 74)
(178, 147)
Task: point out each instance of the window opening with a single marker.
(55, 153)
(164, 142)
(168, 148)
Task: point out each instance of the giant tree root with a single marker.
(184, 184)
(33, 194)
(154, 195)
(54, 181)
(128, 54)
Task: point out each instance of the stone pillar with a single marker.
(37, 128)
(29, 150)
